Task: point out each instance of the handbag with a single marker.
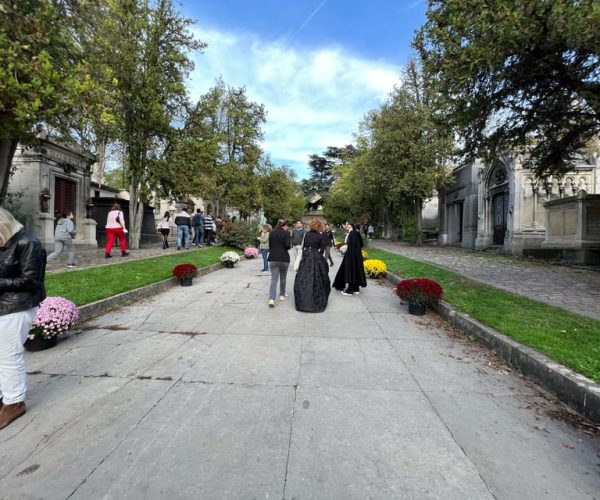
(299, 255)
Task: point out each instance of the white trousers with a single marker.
(13, 334)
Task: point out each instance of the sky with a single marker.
(318, 66)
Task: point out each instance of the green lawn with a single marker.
(88, 285)
(566, 337)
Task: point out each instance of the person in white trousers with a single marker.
(22, 269)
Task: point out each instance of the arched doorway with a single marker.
(498, 191)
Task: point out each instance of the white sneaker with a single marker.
(271, 303)
(283, 297)
(349, 294)
(355, 293)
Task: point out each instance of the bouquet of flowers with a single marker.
(419, 291)
(375, 268)
(230, 257)
(55, 316)
(343, 249)
(182, 271)
(250, 252)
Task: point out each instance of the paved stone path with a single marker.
(572, 288)
(205, 392)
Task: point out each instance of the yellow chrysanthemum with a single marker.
(364, 254)
(375, 268)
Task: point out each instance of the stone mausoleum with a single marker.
(503, 205)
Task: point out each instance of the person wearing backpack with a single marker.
(198, 228)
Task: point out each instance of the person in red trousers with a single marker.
(115, 228)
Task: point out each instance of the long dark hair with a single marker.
(167, 215)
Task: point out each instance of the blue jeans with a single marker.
(265, 255)
(183, 236)
(278, 273)
(199, 236)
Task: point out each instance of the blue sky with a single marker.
(317, 65)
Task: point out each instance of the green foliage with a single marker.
(516, 76)
(117, 178)
(239, 234)
(12, 203)
(410, 231)
(568, 338)
(281, 197)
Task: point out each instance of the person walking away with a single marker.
(312, 285)
(164, 228)
(183, 221)
(263, 239)
(279, 259)
(297, 236)
(329, 242)
(198, 228)
(352, 269)
(63, 238)
(115, 228)
(208, 229)
(22, 269)
(370, 232)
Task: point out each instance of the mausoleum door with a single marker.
(64, 197)
(500, 208)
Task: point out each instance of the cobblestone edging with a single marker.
(579, 392)
(94, 309)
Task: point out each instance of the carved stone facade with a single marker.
(54, 177)
(501, 204)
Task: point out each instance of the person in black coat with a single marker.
(22, 270)
(352, 269)
(279, 258)
(312, 285)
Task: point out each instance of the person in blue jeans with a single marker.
(183, 221)
(198, 228)
(279, 259)
(263, 238)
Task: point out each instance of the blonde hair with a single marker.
(9, 226)
(267, 228)
(316, 225)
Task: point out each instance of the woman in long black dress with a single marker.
(352, 269)
(312, 285)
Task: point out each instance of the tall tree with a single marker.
(516, 75)
(151, 44)
(41, 70)
(281, 194)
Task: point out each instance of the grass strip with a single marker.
(565, 337)
(96, 283)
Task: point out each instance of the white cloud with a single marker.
(314, 98)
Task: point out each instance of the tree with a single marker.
(151, 46)
(517, 76)
(41, 70)
(281, 194)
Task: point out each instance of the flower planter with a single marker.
(40, 344)
(228, 264)
(416, 309)
(186, 281)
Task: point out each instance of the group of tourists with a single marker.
(312, 251)
(199, 228)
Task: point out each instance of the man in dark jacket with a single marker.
(279, 259)
(22, 270)
(352, 269)
(183, 221)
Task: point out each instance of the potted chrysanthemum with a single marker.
(55, 317)
(419, 293)
(185, 273)
(250, 252)
(375, 268)
(229, 258)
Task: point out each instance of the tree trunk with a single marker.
(419, 221)
(136, 213)
(7, 152)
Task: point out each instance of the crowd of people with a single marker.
(196, 230)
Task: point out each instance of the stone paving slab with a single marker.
(245, 401)
(572, 288)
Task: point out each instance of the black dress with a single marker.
(352, 268)
(312, 285)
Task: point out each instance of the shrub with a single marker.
(239, 234)
(55, 316)
(185, 271)
(375, 268)
(419, 291)
(250, 252)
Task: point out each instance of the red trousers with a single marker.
(111, 234)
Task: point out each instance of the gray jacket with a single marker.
(65, 229)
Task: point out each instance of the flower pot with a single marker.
(186, 281)
(228, 264)
(40, 344)
(416, 309)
